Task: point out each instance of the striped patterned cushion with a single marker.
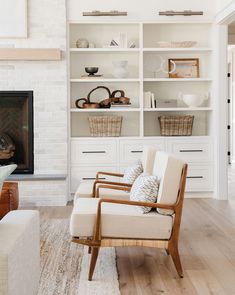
(145, 189)
(131, 173)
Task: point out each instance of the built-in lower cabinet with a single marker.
(91, 155)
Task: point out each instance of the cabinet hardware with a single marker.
(194, 177)
(191, 151)
(94, 152)
(136, 152)
(93, 178)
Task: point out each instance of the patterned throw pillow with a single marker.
(145, 189)
(5, 171)
(131, 173)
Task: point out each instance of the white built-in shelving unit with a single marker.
(140, 125)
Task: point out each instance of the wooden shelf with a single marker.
(198, 109)
(30, 54)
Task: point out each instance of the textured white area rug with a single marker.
(65, 265)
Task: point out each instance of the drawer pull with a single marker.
(93, 178)
(94, 152)
(194, 177)
(191, 151)
(135, 152)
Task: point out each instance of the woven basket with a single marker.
(176, 125)
(105, 125)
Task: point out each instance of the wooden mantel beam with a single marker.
(30, 54)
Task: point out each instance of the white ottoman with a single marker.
(19, 253)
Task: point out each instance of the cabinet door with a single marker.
(80, 174)
(192, 151)
(132, 150)
(92, 152)
(199, 178)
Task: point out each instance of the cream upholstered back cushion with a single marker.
(148, 158)
(168, 170)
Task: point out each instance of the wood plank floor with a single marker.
(207, 247)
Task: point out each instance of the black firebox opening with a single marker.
(16, 130)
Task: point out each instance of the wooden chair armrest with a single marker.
(137, 203)
(113, 187)
(126, 185)
(109, 174)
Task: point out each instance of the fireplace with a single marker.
(16, 130)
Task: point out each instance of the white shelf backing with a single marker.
(92, 50)
(101, 34)
(152, 127)
(96, 80)
(121, 109)
(191, 49)
(80, 124)
(178, 80)
(193, 109)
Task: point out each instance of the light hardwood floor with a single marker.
(207, 247)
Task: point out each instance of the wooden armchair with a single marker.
(88, 189)
(117, 223)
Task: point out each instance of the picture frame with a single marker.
(184, 67)
(13, 19)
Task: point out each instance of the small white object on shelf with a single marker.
(147, 99)
(153, 106)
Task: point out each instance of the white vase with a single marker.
(120, 69)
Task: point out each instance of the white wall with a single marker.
(48, 80)
(145, 10)
(221, 4)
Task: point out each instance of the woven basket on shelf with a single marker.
(105, 125)
(176, 125)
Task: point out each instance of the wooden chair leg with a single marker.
(176, 259)
(94, 255)
(89, 250)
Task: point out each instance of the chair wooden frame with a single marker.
(170, 245)
(106, 182)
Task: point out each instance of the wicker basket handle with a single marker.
(122, 93)
(98, 87)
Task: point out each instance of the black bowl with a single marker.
(91, 70)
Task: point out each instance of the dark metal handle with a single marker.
(194, 177)
(136, 151)
(191, 151)
(93, 178)
(94, 152)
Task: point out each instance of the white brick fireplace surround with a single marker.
(48, 80)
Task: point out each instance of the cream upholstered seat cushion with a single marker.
(85, 191)
(118, 221)
(168, 170)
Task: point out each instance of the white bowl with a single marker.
(192, 100)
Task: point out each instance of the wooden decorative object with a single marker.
(9, 198)
(185, 67)
(30, 54)
(105, 13)
(171, 245)
(184, 13)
